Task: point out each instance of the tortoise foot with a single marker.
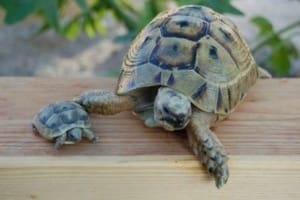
(215, 160)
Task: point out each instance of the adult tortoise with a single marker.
(188, 68)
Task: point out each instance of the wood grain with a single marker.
(134, 162)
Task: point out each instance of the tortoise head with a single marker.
(74, 135)
(172, 110)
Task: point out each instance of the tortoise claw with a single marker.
(221, 176)
(94, 140)
(215, 160)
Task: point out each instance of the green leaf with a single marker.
(83, 5)
(129, 7)
(120, 13)
(62, 3)
(72, 29)
(99, 26)
(148, 12)
(49, 10)
(88, 27)
(100, 12)
(17, 10)
(280, 60)
(291, 48)
(263, 24)
(281, 49)
(221, 6)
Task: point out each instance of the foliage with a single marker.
(17, 10)
(90, 20)
(222, 6)
(282, 50)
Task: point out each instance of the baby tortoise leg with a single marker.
(104, 102)
(89, 134)
(74, 135)
(207, 147)
(59, 141)
(263, 73)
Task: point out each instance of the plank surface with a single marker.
(131, 161)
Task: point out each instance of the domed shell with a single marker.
(57, 118)
(195, 51)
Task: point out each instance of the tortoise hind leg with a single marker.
(207, 147)
(104, 102)
(59, 141)
(263, 73)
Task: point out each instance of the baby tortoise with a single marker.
(65, 122)
(187, 69)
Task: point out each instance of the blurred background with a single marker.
(88, 38)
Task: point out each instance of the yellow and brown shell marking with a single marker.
(196, 51)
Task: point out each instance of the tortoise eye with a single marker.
(166, 110)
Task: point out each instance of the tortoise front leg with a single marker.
(104, 102)
(207, 147)
(89, 134)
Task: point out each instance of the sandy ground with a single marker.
(50, 55)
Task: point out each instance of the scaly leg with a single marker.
(60, 140)
(90, 135)
(104, 102)
(207, 147)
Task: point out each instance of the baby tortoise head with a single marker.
(172, 110)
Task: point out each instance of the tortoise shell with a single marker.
(57, 118)
(195, 51)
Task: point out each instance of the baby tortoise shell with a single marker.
(195, 51)
(57, 118)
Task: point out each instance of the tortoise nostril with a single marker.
(181, 116)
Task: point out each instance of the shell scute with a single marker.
(170, 53)
(181, 27)
(213, 62)
(54, 122)
(70, 117)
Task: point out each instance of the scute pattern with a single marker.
(213, 62)
(196, 51)
(177, 26)
(168, 54)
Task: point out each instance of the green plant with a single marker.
(221, 6)
(90, 17)
(282, 50)
(92, 12)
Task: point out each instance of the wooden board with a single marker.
(134, 162)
